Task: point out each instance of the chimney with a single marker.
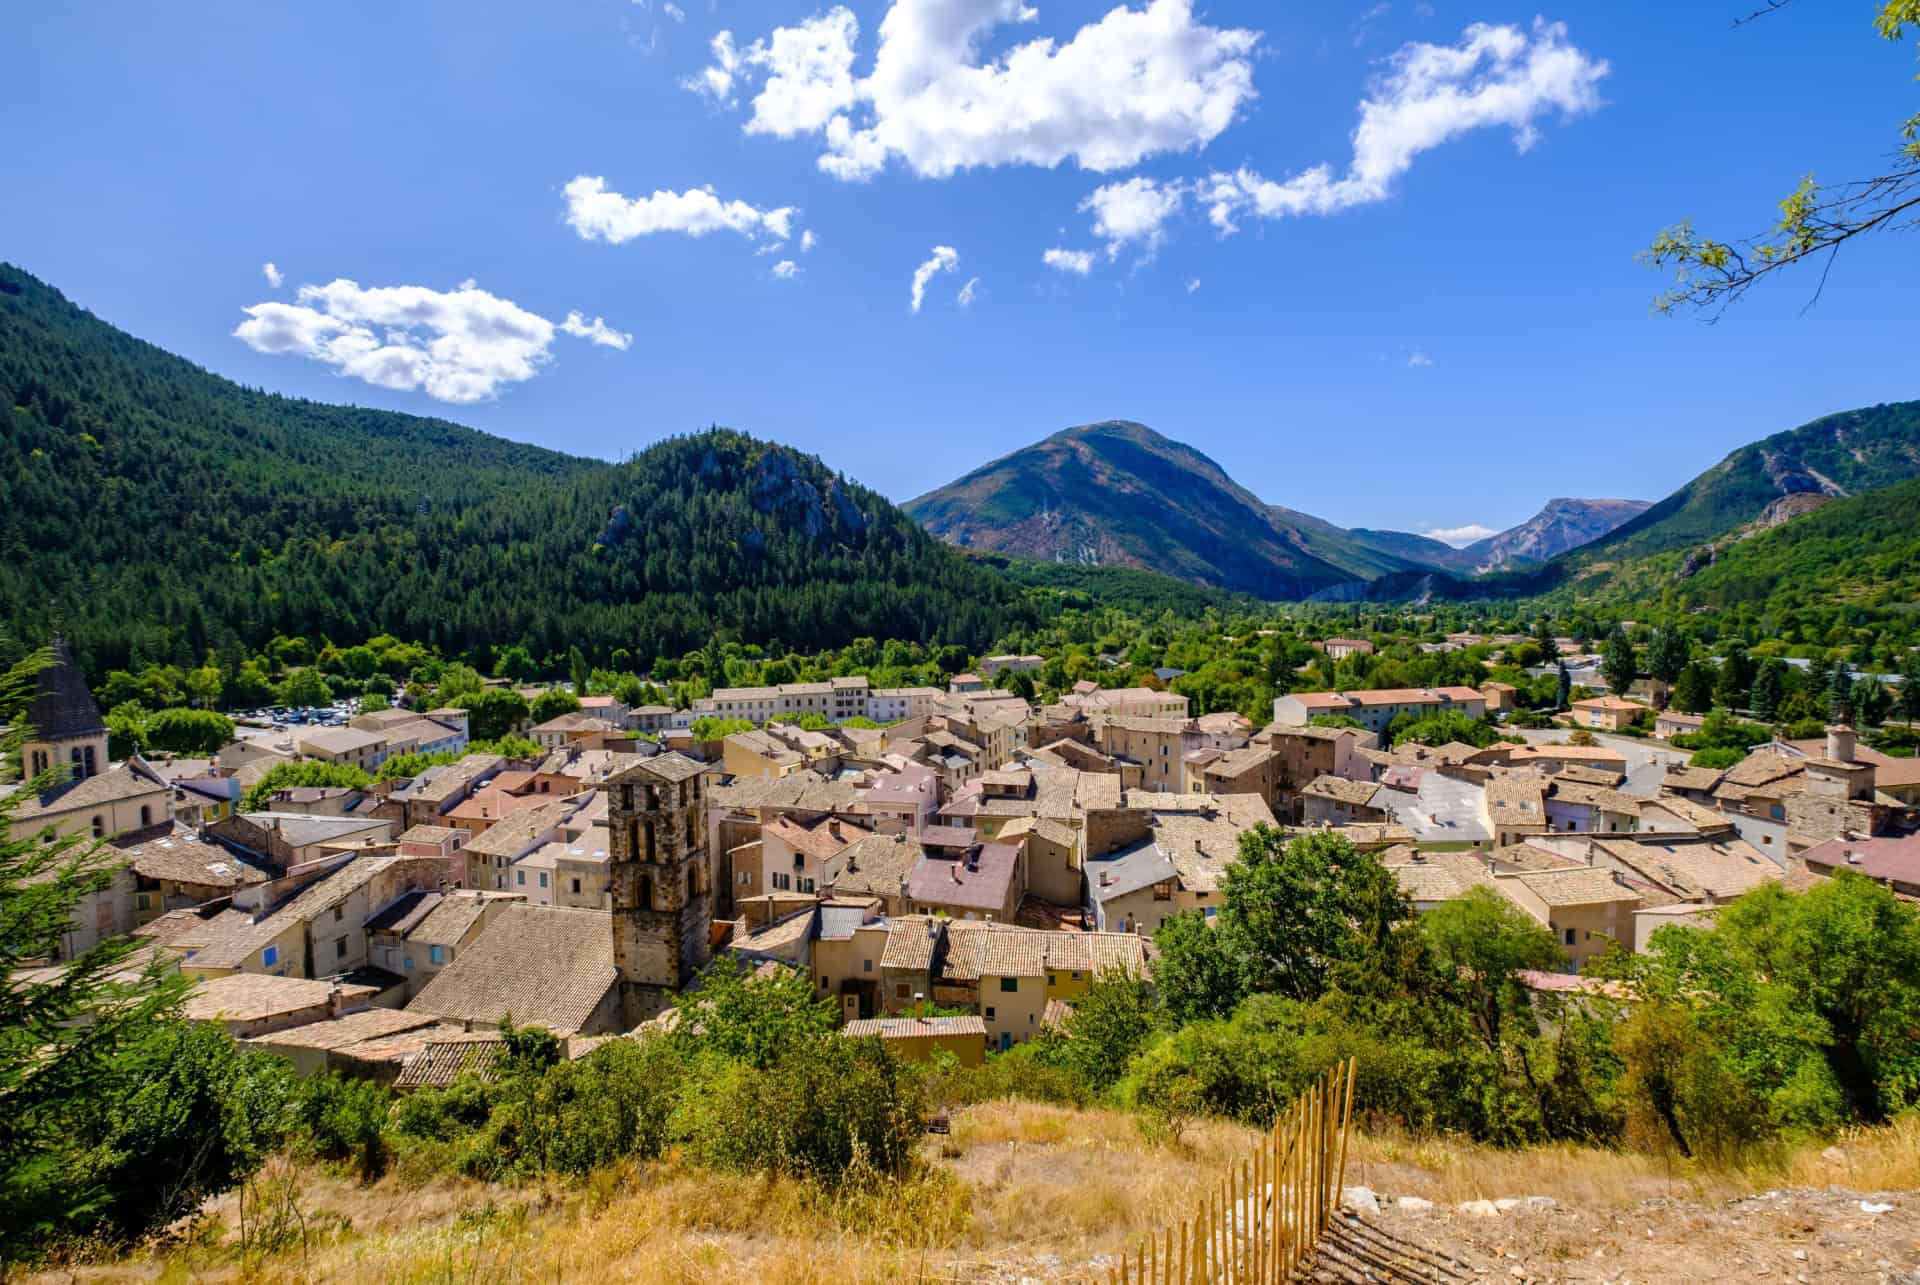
(1840, 743)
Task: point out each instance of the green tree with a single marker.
(493, 713)
(188, 731)
(515, 664)
(1617, 663)
(552, 703)
(1910, 688)
(374, 702)
(1667, 655)
(753, 1019)
(1111, 1020)
(126, 729)
(1769, 689)
(302, 775)
(249, 686)
(579, 671)
(1735, 679)
(1481, 945)
(1693, 693)
(1544, 639)
(1295, 912)
(1198, 976)
(304, 688)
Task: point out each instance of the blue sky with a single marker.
(1442, 329)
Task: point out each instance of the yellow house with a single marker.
(1608, 713)
(1586, 908)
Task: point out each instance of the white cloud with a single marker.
(716, 81)
(674, 11)
(1078, 262)
(786, 270)
(462, 345)
(273, 275)
(945, 259)
(1134, 210)
(1193, 285)
(807, 241)
(1431, 94)
(598, 331)
(965, 297)
(1138, 82)
(1418, 357)
(1461, 536)
(599, 215)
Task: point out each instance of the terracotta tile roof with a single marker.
(1693, 871)
(1341, 790)
(440, 1062)
(451, 918)
(819, 841)
(435, 834)
(174, 853)
(911, 943)
(248, 997)
(338, 1032)
(875, 866)
(907, 1028)
(520, 831)
(544, 965)
(1585, 886)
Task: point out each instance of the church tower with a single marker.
(63, 722)
(662, 901)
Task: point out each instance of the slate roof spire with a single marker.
(62, 706)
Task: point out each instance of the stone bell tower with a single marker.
(662, 904)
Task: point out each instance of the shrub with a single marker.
(345, 1120)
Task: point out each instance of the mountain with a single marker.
(1562, 526)
(1118, 493)
(1837, 455)
(155, 510)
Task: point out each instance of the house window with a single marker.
(99, 828)
(576, 887)
(1571, 937)
(340, 948)
(520, 878)
(989, 1014)
(1009, 983)
(866, 965)
(269, 957)
(338, 914)
(806, 885)
(434, 954)
(146, 816)
(900, 990)
(408, 965)
(543, 878)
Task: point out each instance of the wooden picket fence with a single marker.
(1259, 1224)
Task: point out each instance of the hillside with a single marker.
(1863, 551)
(157, 510)
(1837, 455)
(1024, 1192)
(1119, 493)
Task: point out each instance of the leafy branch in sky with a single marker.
(1815, 219)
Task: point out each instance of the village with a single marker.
(951, 868)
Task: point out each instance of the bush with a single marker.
(1717, 757)
(1031, 1072)
(345, 1120)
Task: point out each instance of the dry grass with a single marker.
(1032, 1189)
(1450, 1171)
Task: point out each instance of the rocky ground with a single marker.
(1830, 1234)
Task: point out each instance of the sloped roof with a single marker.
(984, 883)
(129, 780)
(62, 706)
(542, 965)
(1582, 886)
(338, 1032)
(448, 920)
(247, 997)
(176, 854)
(442, 1061)
(906, 1028)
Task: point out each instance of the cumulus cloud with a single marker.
(462, 345)
(1138, 82)
(1134, 210)
(965, 297)
(274, 276)
(945, 259)
(674, 11)
(1078, 262)
(598, 331)
(1193, 285)
(1461, 536)
(600, 215)
(1497, 76)
(786, 270)
(808, 241)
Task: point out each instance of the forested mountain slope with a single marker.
(155, 510)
